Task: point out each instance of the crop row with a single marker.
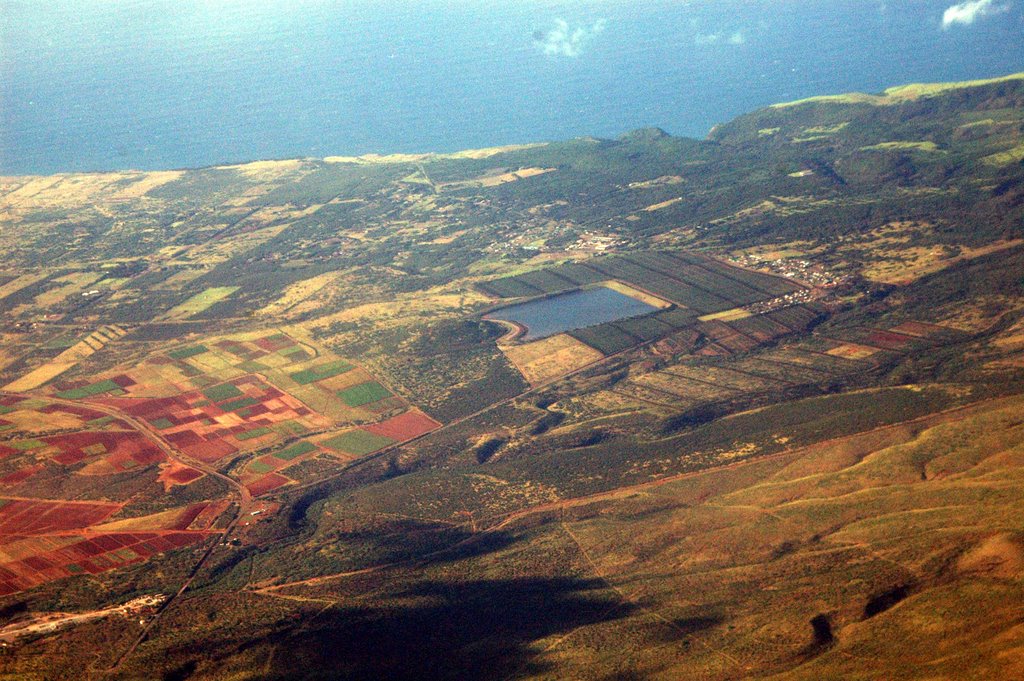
(613, 337)
(795, 318)
(709, 280)
(694, 281)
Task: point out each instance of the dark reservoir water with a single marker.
(99, 84)
(568, 311)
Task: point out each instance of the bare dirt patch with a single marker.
(549, 358)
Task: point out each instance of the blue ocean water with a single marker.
(107, 84)
(568, 311)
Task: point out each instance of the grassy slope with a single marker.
(900, 93)
(903, 540)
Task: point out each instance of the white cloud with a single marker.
(565, 40)
(968, 12)
(720, 38)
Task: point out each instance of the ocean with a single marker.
(146, 84)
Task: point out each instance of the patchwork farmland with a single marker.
(256, 394)
(43, 442)
(64, 450)
(742, 362)
(46, 540)
(690, 280)
(286, 407)
(268, 410)
(707, 297)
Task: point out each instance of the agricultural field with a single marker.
(199, 303)
(142, 432)
(66, 360)
(222, 397)
(550, 358)
(51, 451)
(691, 281)
(43, 540)
(688, 288)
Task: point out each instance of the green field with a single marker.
(605, 338)
(224, 391)
(320, 372)
(26, 445)
(358, 442)
(239, 403)
(295, 450)
(200, 302)
(101, 421)
(364, 393)
(253, 434)
(260, 467)
(90, 390)
(185, 353)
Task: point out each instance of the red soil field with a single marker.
(93, 556)
(122, 449)
(184, 438)
(209, 515)
(81, 412)
(271, 344)
(173, 473)
(919, 329)
(123, 381)
(268, 482)
(23, 517)
(185, 475)
(404, 426)
(194, 429)
(20, 475)
(889, 340)
(209, 451)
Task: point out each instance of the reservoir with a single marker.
(568, 311)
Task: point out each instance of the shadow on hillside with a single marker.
(445, 630)
(396, 625)
(421, 542)
(412, 542)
